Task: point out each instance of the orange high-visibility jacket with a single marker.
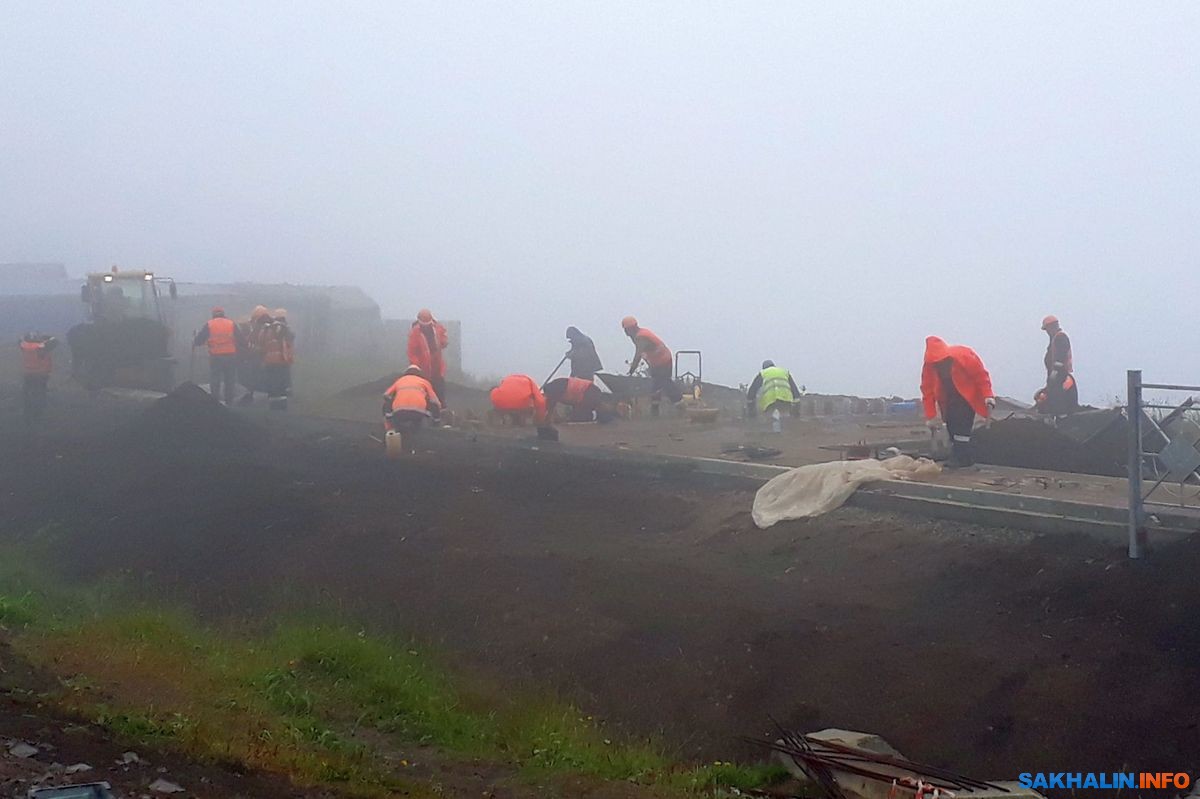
(520, 393)
(970, 377)
(277, 345)
(576, 388)
(412, 393)
(1059, 351)
(652, 348)
(222, 336)
(35, 358)
(421, 354)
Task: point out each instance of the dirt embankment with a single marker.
(652, 602)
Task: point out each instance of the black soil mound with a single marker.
(1091, 442)
(189, 418)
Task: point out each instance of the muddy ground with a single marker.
(651, 601)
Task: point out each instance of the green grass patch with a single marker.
(17, 611)
(314, 701)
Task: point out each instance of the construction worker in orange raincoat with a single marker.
(224, 340)
(650, 348)
(409, 403)
(588, 403)
(1061, 394)
(955, 382)
(36, 365)
(427, 341)
(520, 398)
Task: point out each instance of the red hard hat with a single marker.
(425, 316)
(629, 322)
(1049, 321)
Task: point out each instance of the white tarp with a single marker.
(821, 487)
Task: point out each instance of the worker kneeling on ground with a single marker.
(1061, 394)
(225, 340)
(955, 381)
(588, 403)
(519, 399)
(771, 392)
(36, 365)
(651, 349)
(408, 403)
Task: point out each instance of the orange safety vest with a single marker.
(35, 358)
(277, 347)
(412, 393)
(221, 340)
(655, 352)
(1068, 365)
(576, 388)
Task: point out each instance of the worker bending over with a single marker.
(651, 349)
(582, 355)
(278, 354)
(587, 401)
(1061, 394)
(771, 392)
(224, 340)
(427, 341)
(519, 399)
(955, 381)
(408, 403)
(36, 365)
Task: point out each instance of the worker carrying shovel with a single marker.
(955, 382)
(772, 391)
(408, 404)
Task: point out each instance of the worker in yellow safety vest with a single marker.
(772, 391)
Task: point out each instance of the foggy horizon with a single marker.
(824, 186)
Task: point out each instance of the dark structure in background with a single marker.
(334, 325)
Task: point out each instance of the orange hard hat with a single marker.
(259, 311)
(1049, 322)
(218, 311)
(425, 316)
(280, 313)
(629, 322)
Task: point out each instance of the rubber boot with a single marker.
(776, 422)
(961, 455)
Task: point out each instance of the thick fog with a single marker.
(821, 184)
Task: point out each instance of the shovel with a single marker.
(552, 374)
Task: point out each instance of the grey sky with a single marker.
(822, 184)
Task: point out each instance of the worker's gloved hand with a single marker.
(934, 423)
(990, 402)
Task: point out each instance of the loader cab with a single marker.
(126, 294)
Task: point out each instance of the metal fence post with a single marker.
(1133, 410)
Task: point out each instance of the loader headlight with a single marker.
(108, 278)
(147, 276)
